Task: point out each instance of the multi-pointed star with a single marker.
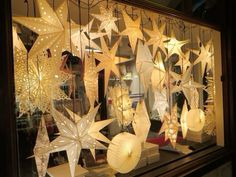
(144, 64)
(132, 30)
(183, 120)
(107, 20)
(174, 46)
(76, 136)
(185, 83)
(53, 29)
(205, 55)
(170, 126)
(184, 63)
(108, 61)
(84, 38)
(157, 38)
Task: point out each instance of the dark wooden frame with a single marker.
(194, 165)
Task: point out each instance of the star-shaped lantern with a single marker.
(107, 20)
(141, 122)
(132, 30)
(183, 120)
(81, 135)
(53, 29)
(157, 37)
(174, 46)
(170, 126)
(185, 83)
(184, 63)
(204, 55)
(108, 61)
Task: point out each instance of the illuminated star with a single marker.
(174, 46)
(204, 55)
(53, 29)
(183, 120)
(185, 83)
(132, 30)
(108, 61)
(157, 37)
(76, 136)
(107, 21)
(184, 63)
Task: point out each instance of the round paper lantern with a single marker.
(195, 120)
(124, 152)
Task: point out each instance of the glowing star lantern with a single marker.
(41, 149)
(195, 120)
(204, 55)
(108, 61)
(132, 30)
(194, 98)
(183, 120)
(91, 79)
(124, 152)
(158, 73)
(160, 103)
(107, 21)
(174, 46)
(53, 29)
(141, 122)
(185, 83)
(170, 126)
(144, 64)
(76, 136)
(184, 63)
(157, 37)
(84, 38)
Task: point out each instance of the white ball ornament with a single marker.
(195, 120)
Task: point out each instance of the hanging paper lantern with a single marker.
(124, 152)
(195, 120)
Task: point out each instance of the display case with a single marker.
(110, 88)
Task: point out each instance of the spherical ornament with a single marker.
(195, 120)
(124, 152)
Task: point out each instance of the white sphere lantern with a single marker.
(195, 120)
(124, 152)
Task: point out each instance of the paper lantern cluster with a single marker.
(38, 79)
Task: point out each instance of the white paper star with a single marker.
(183, 120)
(174, 46)
(132, 30)
(185, 83)
(160, 103)
(170, 126)
(184, 63)
(84, 38)
(107, 21)
(144, 64)
(41, 149)
(204, 55)
(53, 29)
(157, 37)
(108, 61)
(76, 136)
(141, 122)
(91, 79)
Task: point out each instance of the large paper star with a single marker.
(132, 30)
(108, 61)
(185, 83)
(107, 21)
(81, 135)
(184, 63)
(204, 55)
(41, 149)
(91, 79)
(144, 64)
(170, 126)
(141, 122)
(158, 73)
(161, 103)
(157, 38)
(183, 120)
(53, 29)
(84, 38)
(174, 46)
